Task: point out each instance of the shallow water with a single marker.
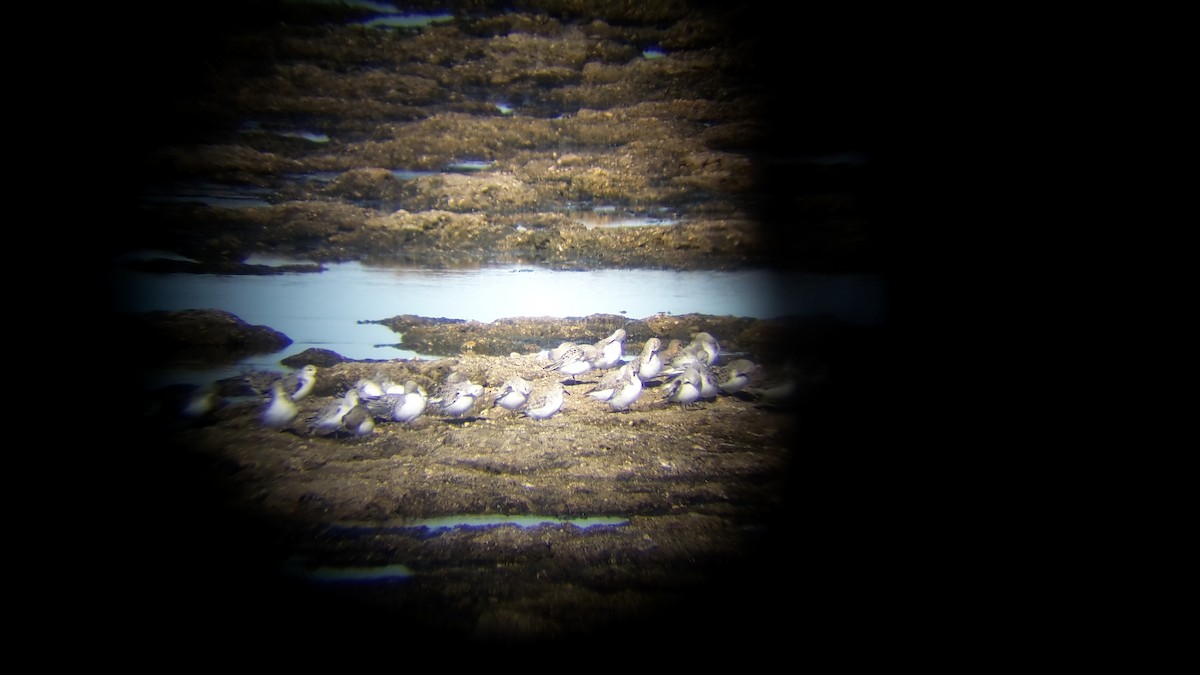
(478, 520)
(326, 310)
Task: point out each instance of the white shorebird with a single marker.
(702, 350)
(368, 389)
(734, 376)
(557, 353)
(200, 401)
(460, 399)
(649, 363)
(574, 360)
(281, 410)
(629, 388)
(514, 394)
(793, 385)
(610, 350)
(779, 392)
(358, 421)
(616, 385)
(703, 342)
(708, 384)
(548, 404)
(399, 402)
(300, 383)
(607, 385)
(685, 387)
(390, 386)
(329, 419)
(409, 406)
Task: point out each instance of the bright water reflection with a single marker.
(324, 310)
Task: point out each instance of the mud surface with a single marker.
(714, 507)
(515, 134)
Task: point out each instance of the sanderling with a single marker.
(671, 350)
(703, 342)
(708, 385)
(734, 376)
(281, 410)
(368, 388)
(514, 393)
(610, 350)
(649, 363)
(573, 361)
(358, 421)
(779, 392)
(409, 406)
(607, 385)
(628, 389)
(702, 350)
(200, 401)
(178, 406)
(399, 402)
(390, 386)
(793, 384)
(461, 400)
(557, 353)
(300, 383)
(329, 419)
(547, 405)
(448, 389)
(685, 387)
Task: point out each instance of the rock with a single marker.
(321, 358)
(199, 334)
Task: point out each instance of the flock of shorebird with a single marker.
(689, 374)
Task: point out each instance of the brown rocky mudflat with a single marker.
(711, 510)
(737, 523)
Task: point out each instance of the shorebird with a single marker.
(708, 385)
(391, 387)
(329, 419)
(281, 410)
(300, 383)
(792, 384)
(180, 405)
(685, 387)
(703, 342)
(368, 388)
(672, 350)
(734, 376)
(629, 388)
(608, 384)
(358, 421)
(514, 393)
(795, 384)
(202, 401)
(649, 363)
(399, 402)
(702, 350)
(459, 398)
(610, 350)
(779, 392)
(557, 353)
(409, 405)
(548, 404)
(448, 389)
(573, 361)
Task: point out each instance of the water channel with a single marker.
(330, 309)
